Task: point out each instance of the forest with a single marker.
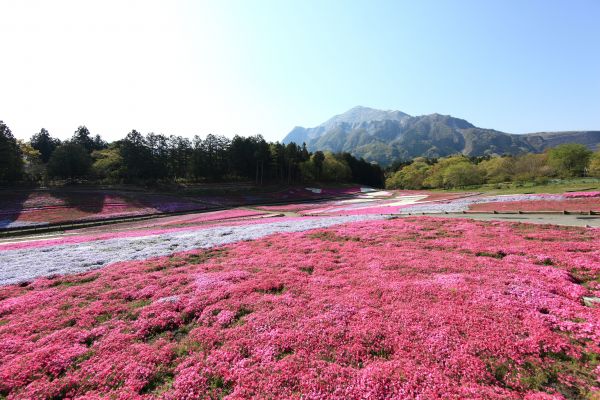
(156, 158)
(564, 161)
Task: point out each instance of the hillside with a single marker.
(385, 136)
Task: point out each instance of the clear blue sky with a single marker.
(252, 67)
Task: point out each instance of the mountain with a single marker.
(384, 136)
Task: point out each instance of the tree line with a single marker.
(157, 158)
(563, 161)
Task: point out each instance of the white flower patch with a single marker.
(6, 223)
(459, 205)
(26, 264)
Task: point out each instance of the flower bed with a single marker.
(408, 308)
(40, 208)
(450, 204)
(582, 194)
(290, 207)
(191, 219)
(23, 208)
(569, 204)
(23, 261)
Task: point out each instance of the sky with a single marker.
(262, 67)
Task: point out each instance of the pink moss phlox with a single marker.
(582, 194)
(408, 308)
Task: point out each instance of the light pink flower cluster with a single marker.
(406, 308)
(188, 219)
(582, 194)
(290, 207)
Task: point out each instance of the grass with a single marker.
(541, 377)
(70, 283)
(332, 237)
(553, 186)
(500, 254)
(218, 387)
(276, 290)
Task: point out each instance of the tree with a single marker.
(159, 156)
(532, 167)
(364, 172)
(108, 163)
(262, 155)
(318, 159)
(70, 160)
(409, 177)
(136, 157)
(82, 137)
(594, 166)
(11, 163)
(215, 149)
(461, 175)
(99, 143)
(33, 167)
(180, 151)
(45, 144)
(569, 159)
(335, 170)
(436, 177)
(248, 156)
(498, 169)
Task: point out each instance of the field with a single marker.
(21, 208)
(399, 202)
(335, 299)
(553, 186)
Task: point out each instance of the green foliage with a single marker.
(70, 160)
(569, 160)
(33, 168)
(594, 167)
(318, 159)
(410, 177)
(532, 167)
(442, 176)
(45, 144)
(498, 169)
(11, 163)
(335, 170)
(153, 158)
(108, 164)
(462, 174)
(158, 158)
(308, 171)
(82, 137)
(362, 171)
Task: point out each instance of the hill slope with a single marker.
(385, 136)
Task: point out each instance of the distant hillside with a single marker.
(385, 136)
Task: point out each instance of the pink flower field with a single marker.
(419, 308)
(41, 207)
(582, 194)
(44, 207)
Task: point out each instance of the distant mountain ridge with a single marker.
(385, 136)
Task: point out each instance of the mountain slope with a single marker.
(385, 136)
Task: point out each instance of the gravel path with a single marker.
(26, 264)
(553, 219)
